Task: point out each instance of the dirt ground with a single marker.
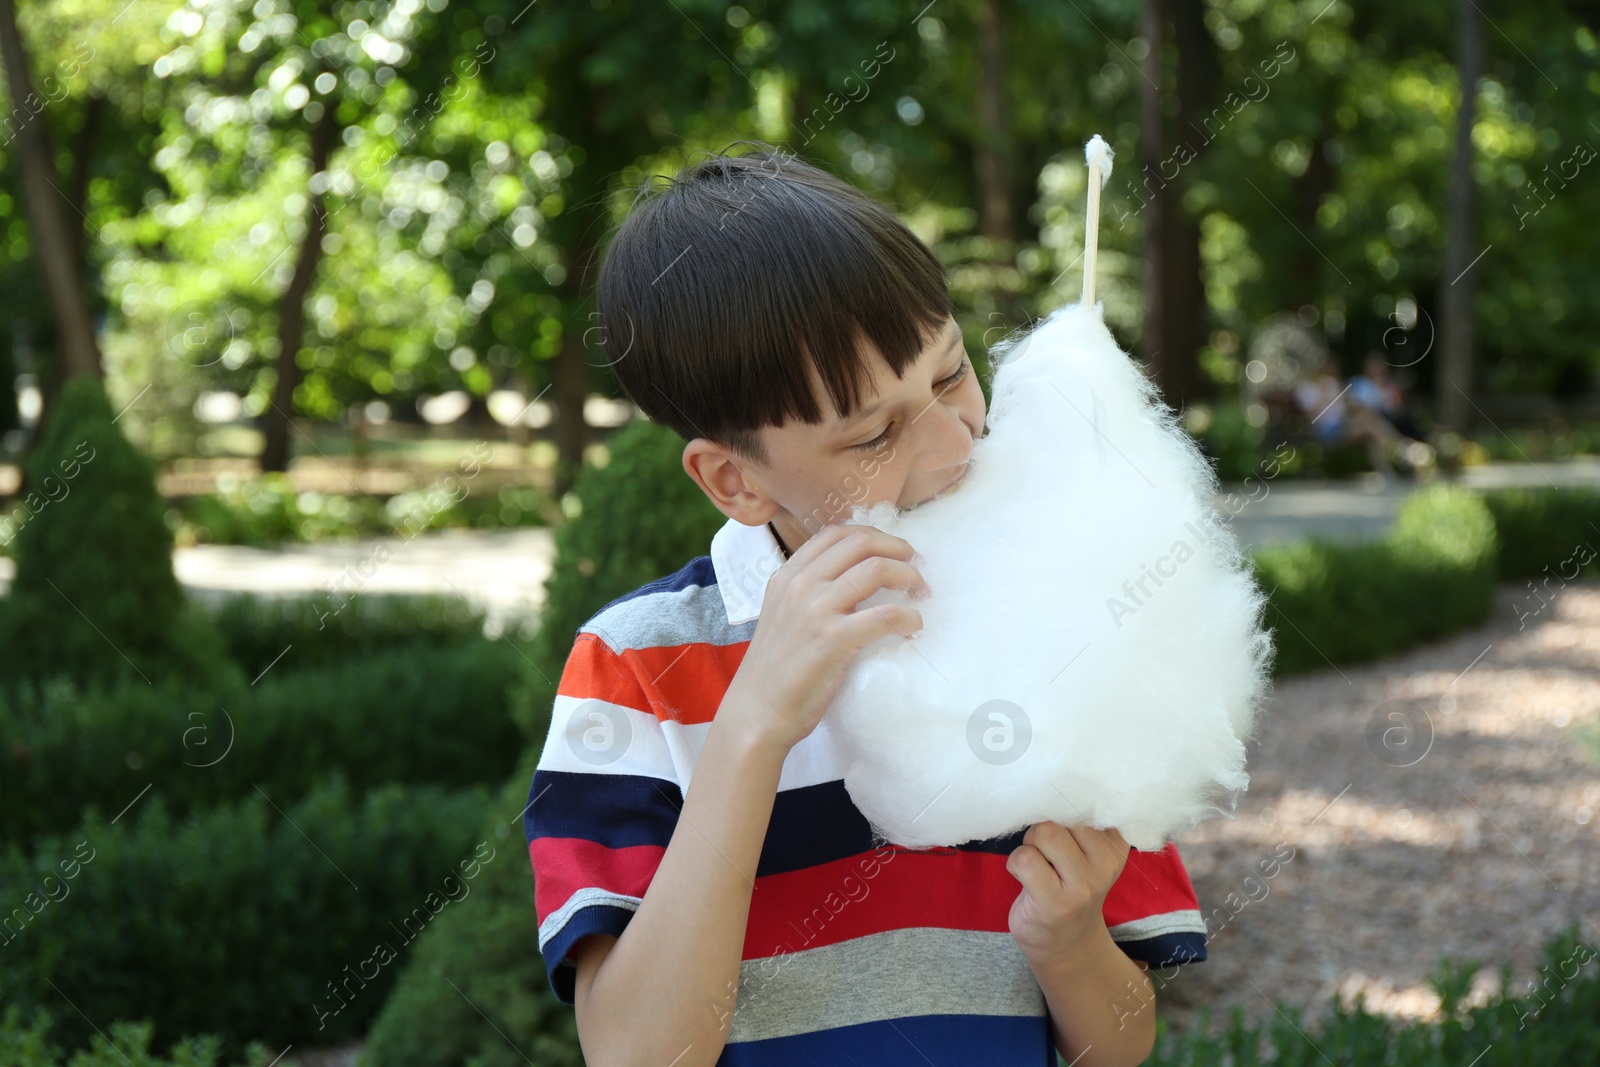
(1441, 802)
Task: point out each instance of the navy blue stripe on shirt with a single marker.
(816, 824)
(613, 810)
(937, 1040)
(594, 919)
(1167, 949)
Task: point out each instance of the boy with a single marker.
(706, 892)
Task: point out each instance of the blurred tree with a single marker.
(1170, 124)
(57, 248)
(617, 83)
(95, 597)
(1456, 283)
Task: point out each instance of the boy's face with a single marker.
(908, 441)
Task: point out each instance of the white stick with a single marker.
(1098, 155)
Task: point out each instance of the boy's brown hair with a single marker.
(722, 285)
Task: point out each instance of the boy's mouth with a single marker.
(952, 485)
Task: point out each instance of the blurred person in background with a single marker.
(1336, 419)
(1374, 390)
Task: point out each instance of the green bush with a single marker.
(331, 626)
(1338, 602)
(1235, 445)
(239, 921)
(1547, 531)
(638, 518)
(128, 1043)
(413, 715)
(266, 510)
(489, 948)
(94, 594)
(1558, 1022)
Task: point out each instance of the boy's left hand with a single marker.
(1066, 872)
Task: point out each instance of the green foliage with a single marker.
(1554, 439)
(637, 518)
(1558, 1021)
(237, 921)
(327, 627)
(128, 1043)
(1236, 447)
(95, 595)
(1338, 602)
(489, 948)
(407, 715)
(266, 510)
(1547, 531)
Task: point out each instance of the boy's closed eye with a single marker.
(944, 385)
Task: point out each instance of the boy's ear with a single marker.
(726, 483)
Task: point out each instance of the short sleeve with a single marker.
(602, 806)
(1151, 910)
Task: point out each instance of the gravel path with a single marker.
(1475, 834)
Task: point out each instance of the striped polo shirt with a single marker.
(855, 950)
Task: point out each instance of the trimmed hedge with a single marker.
(413, 715)
(489, 947)
(239, 921)
(95, 595)
(330, 627)
(1433, 573)
(1547, 531)
(1558, 1022)
(30, 1046)
(265, 510)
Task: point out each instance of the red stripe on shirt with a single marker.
(565, 865)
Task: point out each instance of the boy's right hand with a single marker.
(810, 630)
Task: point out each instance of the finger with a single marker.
(870, 575)
(1100, 845)
(867, 625)
(854, 544)
(1060, 846)
(1030, 867)
(819, 542)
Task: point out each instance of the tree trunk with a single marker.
(55, 372)
(292, 310)
(49, 234)
(1185, 320)
(1174, 293)
(1456, 288)
(992, 157)
(1309, 189)
(1152, 146)
(94, 106)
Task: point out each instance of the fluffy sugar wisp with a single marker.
(1092, 650)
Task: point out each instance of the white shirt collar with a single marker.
(744, 559)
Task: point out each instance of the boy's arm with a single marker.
(1102, 1005)
(694, 915)
(1058, 922)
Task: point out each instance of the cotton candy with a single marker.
(1092, 650)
